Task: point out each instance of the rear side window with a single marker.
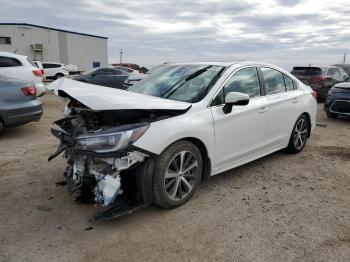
(47, 66)
(274, 81)
(9, 62)
(289, 83)
(306, 71)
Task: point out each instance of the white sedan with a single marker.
(187, 121)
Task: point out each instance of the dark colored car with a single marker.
(136, 78)
(18, 103)
(141, 70)
(338, 101)
(110, 77)
(345, 67)
(320, 78)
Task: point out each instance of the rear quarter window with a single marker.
(9, 61)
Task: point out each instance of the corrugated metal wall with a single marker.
(63, 47)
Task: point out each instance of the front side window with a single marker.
(273, 79)
(244, 81)
(188, 83)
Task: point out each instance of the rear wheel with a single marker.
(331, 115)
(299, 135)
(177, 173)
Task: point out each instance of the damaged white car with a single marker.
(189, 121)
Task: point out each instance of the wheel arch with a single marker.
(204, 152)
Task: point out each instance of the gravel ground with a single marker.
(279, 208)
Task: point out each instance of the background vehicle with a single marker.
(110, 77)
(338, 101)
(20, 67)
(18, 103)
(128, 70)
(136, 78)
(54, 70)
(345, 67)
(141, 70)
(320, 78)
(154, 142)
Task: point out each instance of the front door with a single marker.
(241, 133)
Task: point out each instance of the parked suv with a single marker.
(54, 70)
(346, 67)
(20, 67)
(320, 78)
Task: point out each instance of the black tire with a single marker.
(331, 115)
(295, 146)
(164, 163)
(59, 75)
(1, 126)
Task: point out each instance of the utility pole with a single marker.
(121, 56)
(344, 59)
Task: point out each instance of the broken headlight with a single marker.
(109, 142)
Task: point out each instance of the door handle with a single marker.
(295, 100)
(262, 109)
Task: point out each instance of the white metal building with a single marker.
(54, 45)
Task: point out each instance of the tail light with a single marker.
(38, 72)
(318, 78)
(42, 71)
(314, 94)
(29, 90)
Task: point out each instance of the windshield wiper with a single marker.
(179, 83)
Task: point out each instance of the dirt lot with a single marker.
(280, 208)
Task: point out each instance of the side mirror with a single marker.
(235, 99)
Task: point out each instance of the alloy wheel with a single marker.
(181, 175)
(300, 133)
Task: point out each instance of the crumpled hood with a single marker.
(105, 98)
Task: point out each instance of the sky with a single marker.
(150, 32)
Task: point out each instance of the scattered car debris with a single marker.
(88, 228)
(321, 125)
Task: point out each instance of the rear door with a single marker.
(282, 99)
(104, 77)
(120, 78)
(242, 132)
(50, 69)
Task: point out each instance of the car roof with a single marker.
(51, 63)
(9, 54)
(226, 64)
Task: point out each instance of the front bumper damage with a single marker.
(117, 183)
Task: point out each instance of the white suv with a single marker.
(20, 67)
(54, 70)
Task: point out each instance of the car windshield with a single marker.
(188, 83)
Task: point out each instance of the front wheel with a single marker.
(299, 135)
(177, 173)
